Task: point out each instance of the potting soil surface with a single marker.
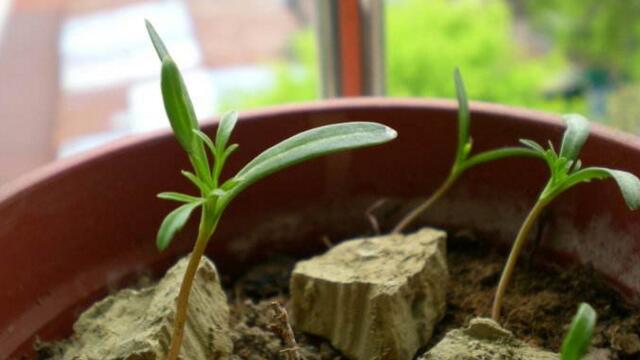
(539, 305)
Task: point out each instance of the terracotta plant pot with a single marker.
(73, 230)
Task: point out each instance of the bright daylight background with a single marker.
(80, 73)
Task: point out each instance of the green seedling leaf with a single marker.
(178, 105)
(207, 140)
(229, 150)
(311, 144)
(574, 136)
(464, 143)
(576, 165)
(628, 183)
(203, 186)
(173, 223)
(230, 184)
(180, 197)
(532, 144)
(217, 192)
(577, 341)
(501, 153)
(226, 126)
(158, 44)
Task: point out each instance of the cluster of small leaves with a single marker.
(566, 169)
(215, 195)
(578, 338)
(565, 172)
(208, 185)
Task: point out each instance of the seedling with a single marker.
(215, 194)
(463, 159)
(565, 172)
(577, 341)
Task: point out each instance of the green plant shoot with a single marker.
(577, 341)
(214, 194)
(565, 172)
(463, 159)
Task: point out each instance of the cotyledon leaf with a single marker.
(574, 136)
(578, 339)
(307, 145)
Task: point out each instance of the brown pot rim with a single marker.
(532, 117)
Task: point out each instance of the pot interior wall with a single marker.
(74, 230)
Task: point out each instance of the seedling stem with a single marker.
(185, 289)
(413, 214)
(513, 256)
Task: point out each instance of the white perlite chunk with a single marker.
(374, 298)
(484, 339)
(137, 324)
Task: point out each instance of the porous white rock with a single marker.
(374, 298)
(137, 324)
(484, 339)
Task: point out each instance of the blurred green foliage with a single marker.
(426, 40)
(592, 33)
(292, 82)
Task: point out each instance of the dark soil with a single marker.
(539, 305)
(252, 319)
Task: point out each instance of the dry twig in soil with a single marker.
(282, 327)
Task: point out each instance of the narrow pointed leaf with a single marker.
(502, 153)
(228, 151)
(574, 136)
(161, 50)
(172, 223)
(577, 341)
(178, 106)
(205, 139)
(196, 181)
(628, 183)
(532, 144)
(552, 149)
(576, 165)
(175, 196)
(230, 184)
(308, 145)
(463, 116)
(227, 123)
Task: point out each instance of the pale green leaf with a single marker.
(574, 136)
(577, 341)
(532, 144)
(161, 50)
(204, 188)
(628, 183)
(178, 106)
(501, 153)
(206, 139)
(308, 145)
(227, 123)
(173, 223)
(176, 196)
(228, 151)
(463, 117)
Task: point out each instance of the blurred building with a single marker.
(79, 73)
